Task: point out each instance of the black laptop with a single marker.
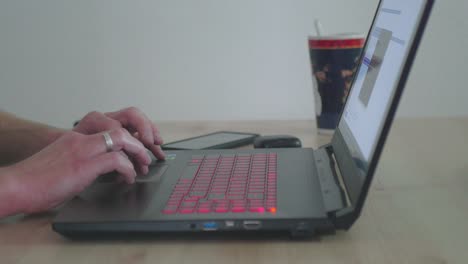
(301, 191)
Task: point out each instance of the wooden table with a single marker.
(416, 212)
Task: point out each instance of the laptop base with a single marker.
(295, 229)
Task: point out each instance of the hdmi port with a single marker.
(252, 225)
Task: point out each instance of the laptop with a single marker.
(301, 191)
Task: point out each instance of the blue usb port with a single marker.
(210, 226)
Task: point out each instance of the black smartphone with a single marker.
(216, 140)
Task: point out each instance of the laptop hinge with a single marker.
(334, 193)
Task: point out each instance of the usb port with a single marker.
(252, 224)
(210, 226)
(229, 224)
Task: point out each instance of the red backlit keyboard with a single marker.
(226, 183)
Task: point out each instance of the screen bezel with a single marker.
(357, 187)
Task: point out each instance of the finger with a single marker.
(122, 140)
(155, 149)
(140, 168)
(135, 121)
(138, 153)
(109, 162)
(133, 147)
(157, 152)
(95, 122)
(123, 154)
(144, 170)
(121, 178)
(157, 136)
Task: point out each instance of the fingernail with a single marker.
(159, 140)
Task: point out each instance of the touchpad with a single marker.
(107, 189)
(155, 173)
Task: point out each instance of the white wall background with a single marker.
(201, 60)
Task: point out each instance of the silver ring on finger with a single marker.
(108, 141)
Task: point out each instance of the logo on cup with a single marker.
(334, 60)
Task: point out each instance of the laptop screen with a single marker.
(377, 78)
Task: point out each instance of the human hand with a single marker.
(66, 167)
(132, 119)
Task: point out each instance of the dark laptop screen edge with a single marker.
(358, 191)
(340, 149)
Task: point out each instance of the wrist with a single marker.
(10, 193)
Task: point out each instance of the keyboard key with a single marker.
(238, 209)
(186, 210)
(221, 210)
(255, 196)
(257, 180)
(257, 209)
(188, 204)
(205, 204)
(219, 189)
(240, 201)
(242, 187)
(190, 199)
(168, 211)
(204, 210)
(241, 194)
(200, 187)
(189, 172)
(176, 197)
(257, 186)
(223, 202)
(257, 183)
(216, 196)
(259, 205)
(197, 194)
(220, 183)
(235, 197)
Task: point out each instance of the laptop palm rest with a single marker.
(107, 188)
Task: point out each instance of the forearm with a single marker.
(21, 138)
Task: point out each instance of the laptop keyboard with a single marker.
(226, 183)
